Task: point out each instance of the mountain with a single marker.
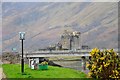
(44, 22)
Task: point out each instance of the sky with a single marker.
(60, 0)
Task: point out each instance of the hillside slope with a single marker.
(44, 22)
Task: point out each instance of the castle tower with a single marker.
(65, 40)
(76, 40)
(70, 40)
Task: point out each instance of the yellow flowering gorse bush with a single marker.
(104, 64)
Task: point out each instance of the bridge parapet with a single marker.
(61, 53)
(68, 51)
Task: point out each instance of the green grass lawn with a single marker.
(14, 71)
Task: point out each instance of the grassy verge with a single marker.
(13, 71)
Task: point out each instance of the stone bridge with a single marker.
(54, 53)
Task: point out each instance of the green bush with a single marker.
(104, 64)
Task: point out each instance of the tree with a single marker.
(104, 64)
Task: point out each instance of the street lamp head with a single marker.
(22, 35)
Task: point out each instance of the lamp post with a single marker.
(22, 37)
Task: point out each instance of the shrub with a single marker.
(12, 58)
(104, 64)
(44, 63)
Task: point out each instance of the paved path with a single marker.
(1, 73)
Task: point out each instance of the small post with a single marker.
(83, 63)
